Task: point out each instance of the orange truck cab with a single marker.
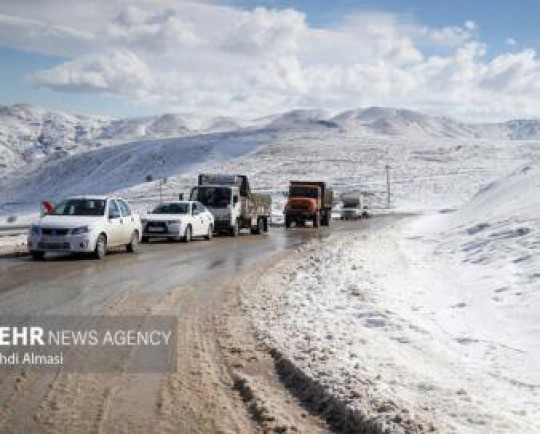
(308, 201)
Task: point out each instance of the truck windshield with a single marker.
(80, 207)
(172, 208)
(212, 197)
(299, 191)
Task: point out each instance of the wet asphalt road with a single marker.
(69, 285)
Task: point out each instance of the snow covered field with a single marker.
(432, 319)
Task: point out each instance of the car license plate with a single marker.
(151, 229)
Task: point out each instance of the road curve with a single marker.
(196, 282)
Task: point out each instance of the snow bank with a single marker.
(434, 319)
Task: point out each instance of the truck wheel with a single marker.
(210, 232)
(265, 224)
(38, 256)
(133, 245)
(287, 222)
(257, 230)
(101, 247)
(187, 235)
(235, 229)
(328, 218)
(316, 220)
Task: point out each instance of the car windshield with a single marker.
(80, 207)
(172, 208)
(213, 197)
(310, 192)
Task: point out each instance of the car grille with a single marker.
(57, 232)
(156, 227)
(53, 246)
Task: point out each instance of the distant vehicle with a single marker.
(234, 206)
(354, 206)
(309, 201)
(181, 220)
(85, 224)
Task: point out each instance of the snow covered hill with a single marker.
(29, 133)
(408, 123)
(121, 166)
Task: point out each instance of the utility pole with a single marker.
(161, 182)
(387, 168)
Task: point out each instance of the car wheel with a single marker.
(187, 235)
(101, 247)
(38, 256)
(210, 232)
(133, 245)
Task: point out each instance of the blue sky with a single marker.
(468, 59)
(498, 20)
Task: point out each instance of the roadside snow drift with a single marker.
(421, 321)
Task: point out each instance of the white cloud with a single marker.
(451, 36)
(109, 72)
(263, 31)
(196, 56)
(45, 37)
(152, 30)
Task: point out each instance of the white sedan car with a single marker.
(181, 220)
(85, 224)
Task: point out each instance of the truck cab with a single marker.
(353, 206)
(222, 201)
(234, 206)
(308, 201)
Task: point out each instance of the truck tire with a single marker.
(328, 218)
(260, 226)
(235, 229)
(265, 224)
(316, 220)
(287, 222)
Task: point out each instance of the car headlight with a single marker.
(81, 230)
(35, 230)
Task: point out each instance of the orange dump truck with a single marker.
(308, 201)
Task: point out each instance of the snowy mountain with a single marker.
(29, 133)
(408, 123)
